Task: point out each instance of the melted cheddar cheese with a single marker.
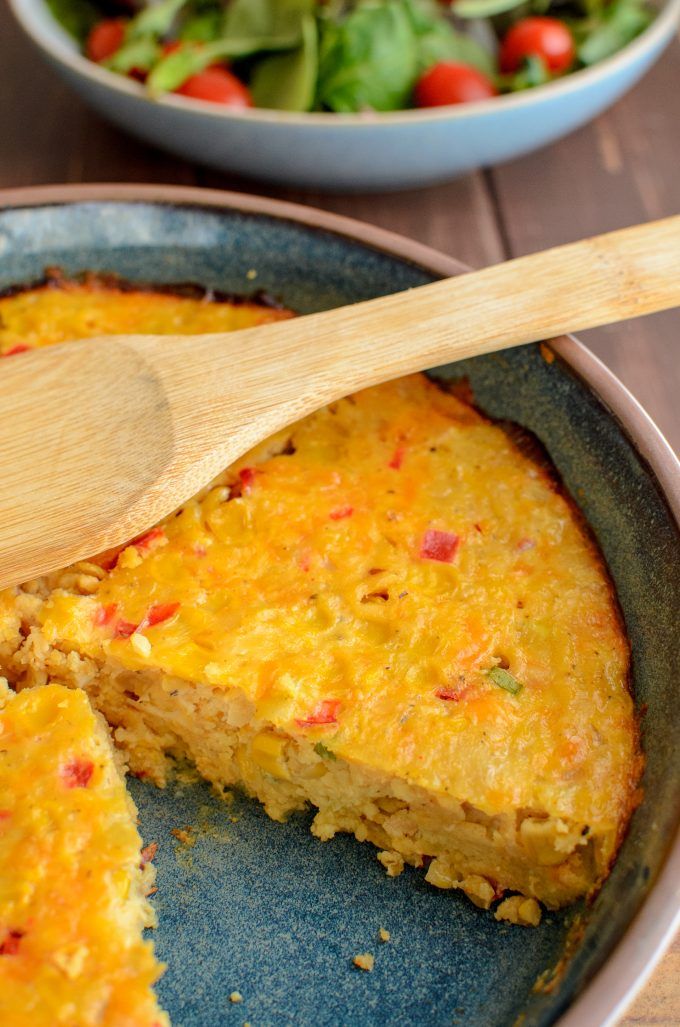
(388, 611)
(305, 582)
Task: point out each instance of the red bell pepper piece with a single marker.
(144, 541)
(341, 513)
(247, 476)
(448, 694)
(77, 773)
(19, 348)
(105, 614)
(397, 458)
(325, 713)
(439, 545)
(157, 614)
(10, 946)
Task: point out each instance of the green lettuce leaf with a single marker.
(76, 16)
(287, 81)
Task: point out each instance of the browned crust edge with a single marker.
(102, 281)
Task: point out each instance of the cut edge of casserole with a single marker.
(516, 859)
(74, 879)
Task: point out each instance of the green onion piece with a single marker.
(155, 21)
(504, 679)
(139, 55)
(326, 754)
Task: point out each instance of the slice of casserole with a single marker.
(72, 888)
(390, 612)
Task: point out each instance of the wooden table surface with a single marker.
(621, 169)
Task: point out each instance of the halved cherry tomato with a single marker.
(451, 82)
(546, 38)
(217, 85)
(105, 38)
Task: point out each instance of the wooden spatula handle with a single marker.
(596, 281)
(101, 438)
(287, 370)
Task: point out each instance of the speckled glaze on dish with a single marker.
(357, 151)
(266, 909)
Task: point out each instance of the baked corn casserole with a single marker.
(72, 874)
(389, 612)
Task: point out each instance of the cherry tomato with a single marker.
(451, 82)
(217, 85)
(546, 38)
(105, 38)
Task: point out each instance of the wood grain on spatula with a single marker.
(101, 438)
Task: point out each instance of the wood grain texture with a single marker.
(621, 169)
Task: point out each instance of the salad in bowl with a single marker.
(348, 56)
(362, 95)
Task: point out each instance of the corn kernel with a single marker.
(268, 753)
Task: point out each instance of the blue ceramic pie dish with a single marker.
(266, 909)
(354, 151)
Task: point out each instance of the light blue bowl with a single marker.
(355, 151)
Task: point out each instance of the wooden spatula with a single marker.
(101, 438)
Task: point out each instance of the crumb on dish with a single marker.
(364, 961)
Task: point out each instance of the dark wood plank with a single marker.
(621, 169)
(47, 134)
(658, 1005)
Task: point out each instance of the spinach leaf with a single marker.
(441, 42)
(203, 27)
(368, 60)
(156, 20)
(621, 22)
(76, 16)
(248, 27)
(288, 81)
